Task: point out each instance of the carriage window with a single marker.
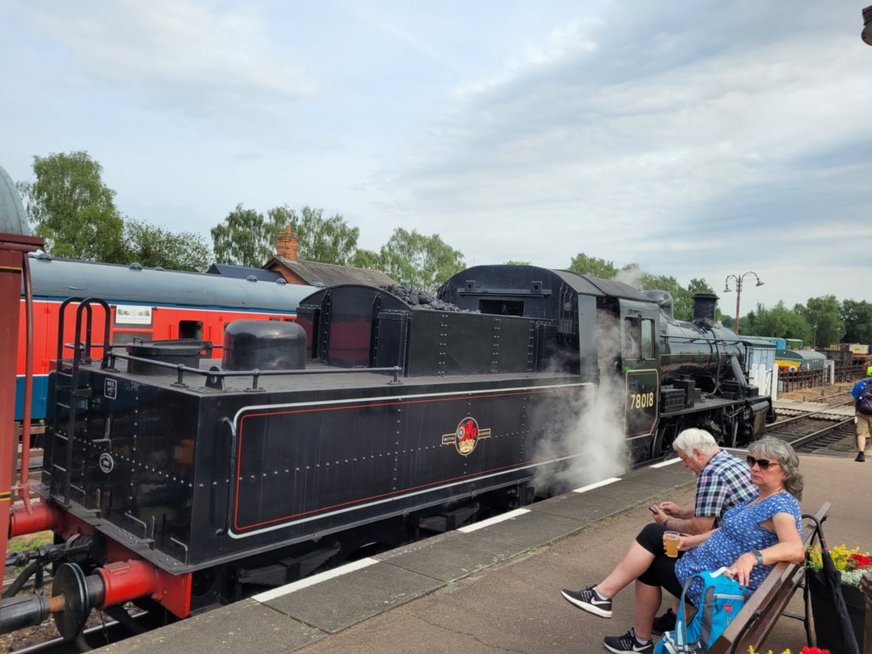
(190, 329)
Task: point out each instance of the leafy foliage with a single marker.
(857, 317)
(585, 265)
(152, 246)
(419, 261)
(329, 240)
(71, 207)
(778, 321)
(367, 259)
(824, 316)
(245, 238)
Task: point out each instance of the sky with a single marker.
(697, 139)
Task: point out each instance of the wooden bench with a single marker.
(767, 603)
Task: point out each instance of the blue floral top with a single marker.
(740, 532)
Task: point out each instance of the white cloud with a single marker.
(177, 52)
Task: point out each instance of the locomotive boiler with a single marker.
(174, 479)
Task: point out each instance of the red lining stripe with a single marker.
(462, 397)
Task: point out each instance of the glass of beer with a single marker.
(670, 541)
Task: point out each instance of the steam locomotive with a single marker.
(177, 480)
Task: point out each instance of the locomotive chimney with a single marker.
(287, 245)
(704, 309)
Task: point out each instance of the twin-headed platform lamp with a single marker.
(738, 280)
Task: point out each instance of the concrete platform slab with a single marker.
(341, 602)
(451, 556)
(228, 629)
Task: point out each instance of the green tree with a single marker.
(71, 207)
(778, 321)
(682, 303)
(585, 265)
(367, 259)
(245, 238)
(418, 260)
(516, 262)
(824, 315)
(152, 246)
(857, 317)
(329, 240)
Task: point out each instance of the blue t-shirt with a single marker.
(740, 532)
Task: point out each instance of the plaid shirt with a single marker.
(724, 482)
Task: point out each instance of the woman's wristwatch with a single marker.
(757, 555)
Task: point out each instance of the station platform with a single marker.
(824, 411)
(495, 586)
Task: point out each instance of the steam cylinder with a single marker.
(264, 345)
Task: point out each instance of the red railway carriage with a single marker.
(146, 304)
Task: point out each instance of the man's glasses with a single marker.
(762, 463)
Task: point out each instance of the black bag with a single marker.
(864, 402)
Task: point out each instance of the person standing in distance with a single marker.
(862, 394)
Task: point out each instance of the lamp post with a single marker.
(738, 281)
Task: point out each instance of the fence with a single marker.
(802, 379)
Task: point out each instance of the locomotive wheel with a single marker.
(661, 445)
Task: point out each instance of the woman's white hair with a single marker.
(695, 439)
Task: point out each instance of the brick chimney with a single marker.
(287, 246)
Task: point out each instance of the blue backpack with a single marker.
(864, 401)
(721, 600)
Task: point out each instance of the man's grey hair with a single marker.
(695, 439)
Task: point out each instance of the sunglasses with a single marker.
(762, 463)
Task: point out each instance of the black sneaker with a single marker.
(589, 600)
(664, 623)
(627, 643)
(861, 457)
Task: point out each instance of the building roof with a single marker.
(316, 273)
(243, 272)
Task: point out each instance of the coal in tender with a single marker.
(420, 299)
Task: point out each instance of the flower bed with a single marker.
(852, 564)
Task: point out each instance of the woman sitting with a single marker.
(753, 536)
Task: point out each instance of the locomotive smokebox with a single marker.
(704, 309)
(264, 345)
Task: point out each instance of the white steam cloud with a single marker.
(590, 425)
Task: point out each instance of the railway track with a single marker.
(814, 430)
